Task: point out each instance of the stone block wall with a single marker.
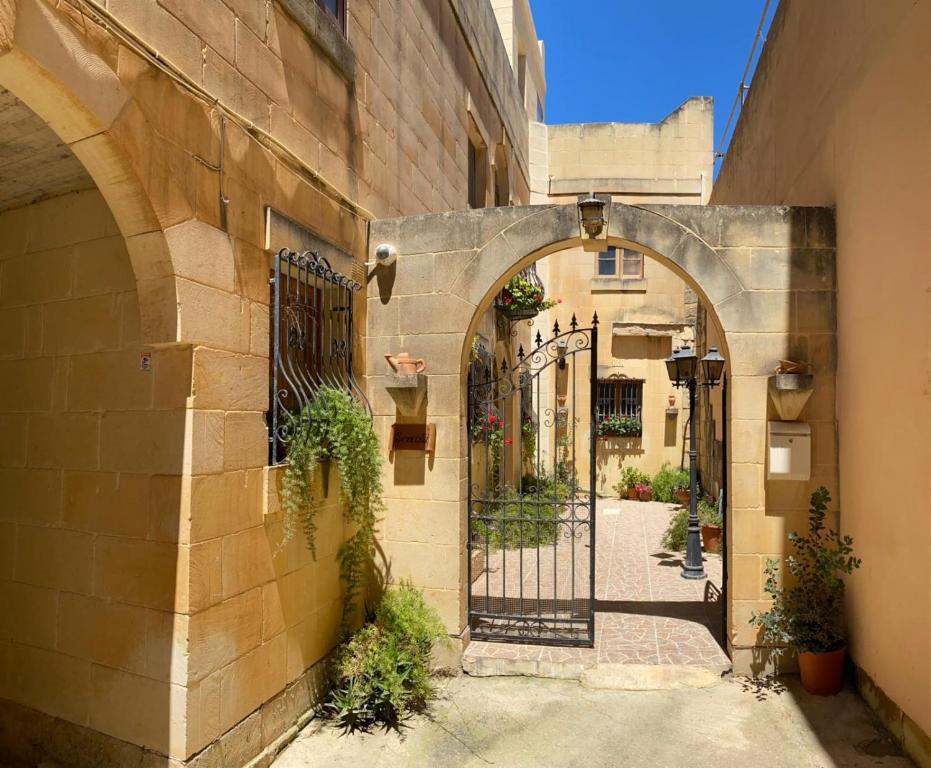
(90, 479)
(767, 276)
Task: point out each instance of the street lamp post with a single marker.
(683, 371)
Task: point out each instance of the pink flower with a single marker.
(508, 441)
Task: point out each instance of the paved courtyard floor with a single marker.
(518, 722)
(646, 613)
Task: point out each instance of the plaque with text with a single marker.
(413, 437)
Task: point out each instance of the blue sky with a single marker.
(637, 60)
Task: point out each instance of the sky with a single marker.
(637, 60)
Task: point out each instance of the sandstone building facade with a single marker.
(156, 155)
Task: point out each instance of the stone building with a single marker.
(156, 155)
(838, 116)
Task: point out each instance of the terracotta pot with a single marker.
(683, 496)
(711, 538)
(632, 494)
(822, 673)
(405, 364)
(646, 495)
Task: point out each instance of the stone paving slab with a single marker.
(646, 613)
(531, 723)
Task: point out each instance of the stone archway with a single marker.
(764, 274)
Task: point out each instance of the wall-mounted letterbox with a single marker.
(789, 451)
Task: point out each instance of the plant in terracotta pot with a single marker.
(631, 477)
(709, 515)
(644, 492)
(808, 613)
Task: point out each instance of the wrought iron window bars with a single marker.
(312, 339)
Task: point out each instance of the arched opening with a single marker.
(568, 402)
(747, 266)
(94, 425)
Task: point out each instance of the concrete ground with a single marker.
(523, 722)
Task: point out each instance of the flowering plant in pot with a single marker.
(619, 426)
(521, 298)
(808, 614)
(631, 477)
(644, 492)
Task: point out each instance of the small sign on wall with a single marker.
(413, 437)
(145, 361)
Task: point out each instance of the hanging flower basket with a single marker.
(522, 300)
(521, 314)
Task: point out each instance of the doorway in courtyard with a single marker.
(578, 456)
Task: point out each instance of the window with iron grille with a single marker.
(311, 339)
(620, 397)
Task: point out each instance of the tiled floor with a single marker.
(646, 613)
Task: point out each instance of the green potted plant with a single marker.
(644, 492)
(619, 426)
(808, 613)
(682, 494)
(631, 477)
(521, 299)
(709, 515)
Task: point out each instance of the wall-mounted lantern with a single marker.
(591, 215)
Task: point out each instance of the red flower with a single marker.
(559, 301)
(538, 297)
(492, 419)
(508, 441)
(507, 298)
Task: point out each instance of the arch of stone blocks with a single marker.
(65, 74)
(764, 274)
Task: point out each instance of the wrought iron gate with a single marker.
(532, 491)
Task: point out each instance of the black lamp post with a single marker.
(683, 368)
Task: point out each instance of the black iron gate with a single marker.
(532, 491)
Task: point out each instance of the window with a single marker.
(311, 339)
(607, 262)
(620, 397)
(336, 9)
(522, 74)
(631, 264)
(476, 175)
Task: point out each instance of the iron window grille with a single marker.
(312, 340)
(620, 398)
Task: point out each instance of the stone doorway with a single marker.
(645, 612)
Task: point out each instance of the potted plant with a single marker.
(644, 492)
(619, 426)
(631, 477)
(520, 299)
(709, 515)
(808, 613)
(682, 495)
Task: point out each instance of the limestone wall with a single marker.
(837, 115)
(639, 163)
(90, 480)
(767, 276)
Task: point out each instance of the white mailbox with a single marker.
(789, 451)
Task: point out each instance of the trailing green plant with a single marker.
(519, 294)
(619, 426)
(666, 481)
(808, 613)
(630, 478)
(674, 538)
(382, 673)
(334, 426)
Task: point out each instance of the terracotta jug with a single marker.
(403, 363)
